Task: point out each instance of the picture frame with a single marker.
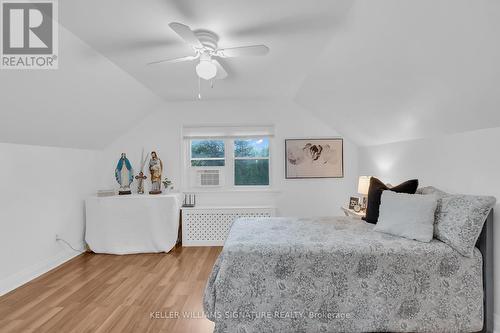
(353, 201)
(314, 158)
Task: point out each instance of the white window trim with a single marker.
(229, 158)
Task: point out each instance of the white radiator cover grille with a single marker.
(210, 226)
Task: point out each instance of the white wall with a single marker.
(462, 163)
(161, 131)
(86, 103)
(43, 192)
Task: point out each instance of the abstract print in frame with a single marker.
(314, 158)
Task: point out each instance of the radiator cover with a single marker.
(209, 226)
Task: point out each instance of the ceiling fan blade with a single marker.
(221, 72)
(253, 50)
(188, 58)
(186, 33)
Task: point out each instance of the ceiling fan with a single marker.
(206, 50)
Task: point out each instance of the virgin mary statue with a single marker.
(124, 175)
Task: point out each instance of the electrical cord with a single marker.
(67, 243)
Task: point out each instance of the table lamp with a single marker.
(363, 187)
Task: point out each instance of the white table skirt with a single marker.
(132, 223)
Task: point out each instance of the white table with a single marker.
(132, 223)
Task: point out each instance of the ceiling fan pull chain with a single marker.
(199, 88)
(212, 83)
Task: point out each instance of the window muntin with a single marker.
(207, 153)
(207, 163)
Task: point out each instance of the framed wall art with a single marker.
(314, 158)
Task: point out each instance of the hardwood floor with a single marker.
(108, 293)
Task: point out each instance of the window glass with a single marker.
(207, 149)
(251, 172)
(258, 147)
(207, 153)
(251, 162)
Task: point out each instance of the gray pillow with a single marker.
(460, 218)
(407, 215)
(432, 190)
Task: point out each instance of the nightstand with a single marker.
(351, 213)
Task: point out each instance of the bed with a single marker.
(338, 275)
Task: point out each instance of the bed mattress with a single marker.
(338, 275)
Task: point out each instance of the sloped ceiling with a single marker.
(376, 71)
(400, 69)
(86, 103)
(133, 33)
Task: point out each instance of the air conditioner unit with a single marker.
(208, 178)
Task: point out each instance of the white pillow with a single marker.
(407, 215)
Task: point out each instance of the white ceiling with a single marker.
(401, 69)
(132, 33)
(376, 71)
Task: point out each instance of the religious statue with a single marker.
(156, 170)
(141, 177)
(124, 175)
(140, 182)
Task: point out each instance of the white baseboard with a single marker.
(18, 279)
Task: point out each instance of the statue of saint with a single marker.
(156, 170)
(124, 175)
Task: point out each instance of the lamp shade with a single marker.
(206, 69)
(364, 184)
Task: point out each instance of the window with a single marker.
(207, 153)
(251, 162)
(244, 161)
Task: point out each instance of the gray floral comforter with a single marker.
(338, 275)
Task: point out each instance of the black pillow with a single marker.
(375, 194)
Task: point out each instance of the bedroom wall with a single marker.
(462, 163)
(161, 131)
(43, 192)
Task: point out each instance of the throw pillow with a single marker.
(407, 215)
(375, 192)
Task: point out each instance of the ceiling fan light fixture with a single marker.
(206, 69)
(205, 46)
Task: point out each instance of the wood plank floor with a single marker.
(108, 293)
